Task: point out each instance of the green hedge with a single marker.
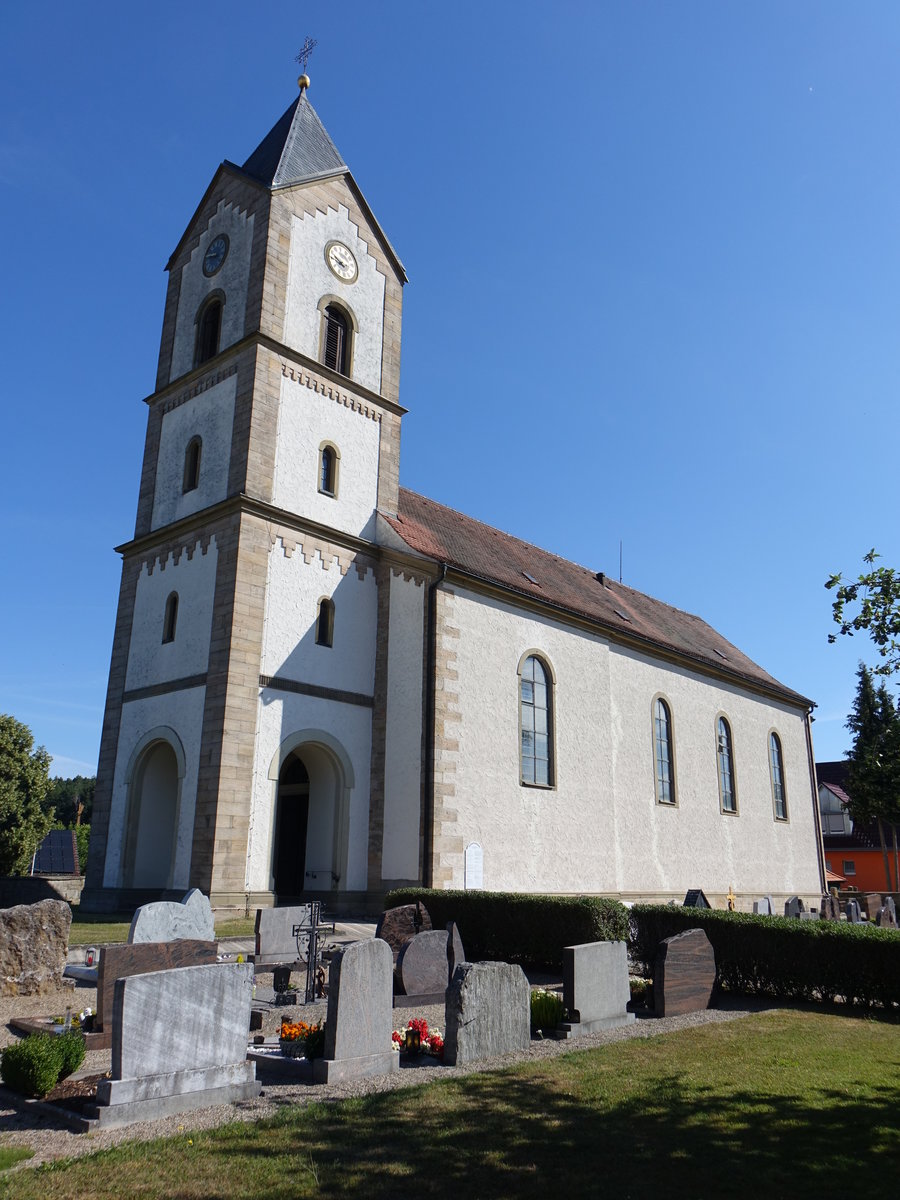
(34, 1066)
(781, 956)
(518, 928)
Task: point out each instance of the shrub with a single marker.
(783, 957)
(547, 1010)
(71, 1048)
(32, 1067)
(513, 927)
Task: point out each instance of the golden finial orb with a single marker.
(303, 83)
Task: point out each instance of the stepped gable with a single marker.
(471, 546)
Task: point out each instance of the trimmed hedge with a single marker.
(781, 956)
(34, 1066)
(518, 928)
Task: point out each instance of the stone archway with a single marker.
(155, 776)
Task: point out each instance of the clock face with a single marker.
(215, 254)
(341, 261)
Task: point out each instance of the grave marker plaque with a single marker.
(684, 974)
(360, 1014)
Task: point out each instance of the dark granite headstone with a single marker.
(794, 906)
(684, 974)
(397, 925)
(695, 899)
(422, 965)
(854, 916)
(872, 905)
(830, 908)
(140, 958)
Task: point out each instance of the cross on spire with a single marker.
(309, 44)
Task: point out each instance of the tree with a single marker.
(24, 822)
(874, 761)
(64, 795)
(878, 594)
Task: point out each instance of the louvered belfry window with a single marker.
(335, 339)
(208, 331)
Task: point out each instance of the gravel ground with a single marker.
(49, 1138)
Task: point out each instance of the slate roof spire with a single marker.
(296, 149)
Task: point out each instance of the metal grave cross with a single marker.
(308, 947)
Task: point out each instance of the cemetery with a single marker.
(170, 1022)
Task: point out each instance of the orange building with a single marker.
(853, 857)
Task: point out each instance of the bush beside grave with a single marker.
(34, 1066)
(517, 928)
(783, 957)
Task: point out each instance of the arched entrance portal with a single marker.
(153, 804)
(311, 816)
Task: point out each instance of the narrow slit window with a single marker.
(328, 471)
(192, 465)
(725, 762)
(171, 617)
(336, 340)
(535, 707)
(776, 765)
(209, 327)
(663, 753)
(325, 623)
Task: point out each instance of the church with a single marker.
(324, 685)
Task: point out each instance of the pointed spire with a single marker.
(296, 149)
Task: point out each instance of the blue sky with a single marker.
(653, 256)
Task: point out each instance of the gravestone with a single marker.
(488, 1012)
(168, 920)
(891, 907)
(34, 939)
(473, 867)
(275, 942)
(397, 925)
(179, 1042)
(887, 917)
(794, 907)
(423, 966)
(121, 961)
(872, 905)
(695, 898)
(360, 1014)
(852, 912)
(830, 908)
(684, 974)
(455, 952)
(595, 987)
(764, 906)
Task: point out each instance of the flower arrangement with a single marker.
(83, 1020)
(416, 1039)
(300, 1039)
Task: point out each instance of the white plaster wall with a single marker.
(694, 844)
(293, 590)
(281, 715)
(306, 419)
(193, 577)
(232, 278)
(309, 279)
(403, 750)
(211, 416)
(600, 829)
(182, 714)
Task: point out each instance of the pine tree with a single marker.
(874, 760)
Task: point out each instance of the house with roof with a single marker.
(852, 849)
(323, 685)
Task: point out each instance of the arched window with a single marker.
(171, 617)
(328, 470)
(192, 465)
(336, 340)
(535, 707)
(776, 770)
(209, 327)
(663, 752)
(325, 623)
(725, 762)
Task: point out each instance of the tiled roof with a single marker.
(477, 549)
(836, 790)
(295, 149)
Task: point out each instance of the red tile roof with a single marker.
(477, 549)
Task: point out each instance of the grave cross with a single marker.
(307, 935)
(731, 898)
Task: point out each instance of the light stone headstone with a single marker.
(169, 920)
(474, 866)
(852, 912)
(359, 1022)
(33, 943)
(872, 902)
(179, 1042)
(423, 965)
(595, 987)
(794, 907)
(275, 943)
(488, 1012)
(763, 907)
(886, 919)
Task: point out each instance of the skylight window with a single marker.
(720, 654)
(619, 613)
(531, 579)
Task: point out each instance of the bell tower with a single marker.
(246, 642)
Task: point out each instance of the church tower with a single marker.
(241, 750)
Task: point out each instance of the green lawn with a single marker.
(90, 929)
(799, 1105)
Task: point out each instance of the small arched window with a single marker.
(325, 623)
(209, 327)
(328, 470)
(192, 465)
(725, 763)
(776, 769)
(535, 707)
(171, 617)
(336, 340)
(663, 752)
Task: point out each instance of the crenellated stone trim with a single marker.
(326, 388)
(327, 553)
(173, 552)
(447, 844)
(409, 575)
(202, 385)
